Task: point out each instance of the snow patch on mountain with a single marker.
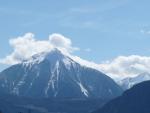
(85, 92)
(129, 82)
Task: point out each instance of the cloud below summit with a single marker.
(120, 67)
(126, 66)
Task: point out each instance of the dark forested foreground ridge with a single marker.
(134, 100)
(15, 104)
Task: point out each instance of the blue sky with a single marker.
(110, 28)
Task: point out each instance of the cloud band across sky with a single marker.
(122, 66)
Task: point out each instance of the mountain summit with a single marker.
(55, 75)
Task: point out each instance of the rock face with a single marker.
(129, 82)
(134, 100)
(55, 75)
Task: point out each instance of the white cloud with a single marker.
(59, 41)
(86, 63)
(126, 66)
(118, 68)
(27, 45)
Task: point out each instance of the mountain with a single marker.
(129, 82)
(55, 75)
(134, 100)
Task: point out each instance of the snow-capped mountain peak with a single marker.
(52, 56)
(131, 81)
(54, 74)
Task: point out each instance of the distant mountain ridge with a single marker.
(55, 75)
(129, 82)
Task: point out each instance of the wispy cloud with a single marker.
(143, 31)
(98, 7)
(89, 15)
(88, 50)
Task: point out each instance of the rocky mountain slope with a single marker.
(55, 75)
